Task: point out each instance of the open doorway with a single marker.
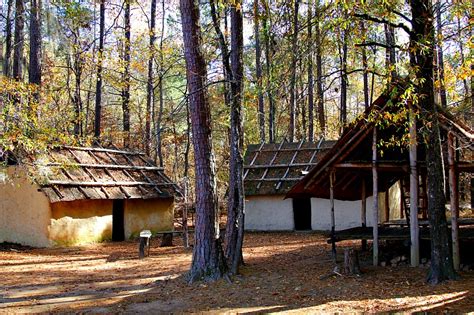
(118, 221)
(302, 213)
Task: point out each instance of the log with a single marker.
(351, 262)
(167, 240)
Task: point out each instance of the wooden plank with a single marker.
(105, 184)
(375, 233)
(278, 165)
(368, 166)
(108, 166)
(273, 179)
(414, 227)
(333, 218)
(454, 201)
(91, 149)
(363, 211)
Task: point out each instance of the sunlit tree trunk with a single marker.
(98, 87)
(8, 39)
(365, 67)
(294, 59)
(422, 41)
(310, 74)
(126, 76)
(258, 66)
(440, 61)
(235, 208)
(150, 97)
(208, 260)
(319, 72)
(18, 40)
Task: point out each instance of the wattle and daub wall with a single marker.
(27, 217)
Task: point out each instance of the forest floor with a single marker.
(282, 274)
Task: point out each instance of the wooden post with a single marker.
(375, 220)
(387, 206)
(414, 227)
(454, 202)
(363, 212)
(185, 215)
(333, 220)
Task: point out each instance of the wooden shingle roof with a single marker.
(273, 168)
(75, 173)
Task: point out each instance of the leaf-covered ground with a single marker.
(282, 275)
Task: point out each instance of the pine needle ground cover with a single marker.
(282, 274)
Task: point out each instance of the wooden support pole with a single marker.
(414, 227)
(363, 212)
(375, 209)
(185, 214)
(454, 202)
(333, 219)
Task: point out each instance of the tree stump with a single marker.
(167, 240)
(351, 262)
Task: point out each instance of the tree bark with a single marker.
(441, 267)
(126, 76)
(390, 59)
(365, 66)
(159, 120)
(208, 260)
(294, 59)
(78, 65)
(268, 69)
(343, 59)
(19, 40)
(440, 63)
(258, 70)
(150, 97)
(34, 71)
(8, 39)
(319, 70)
(235, 209)
(310, 74)
(98, 87)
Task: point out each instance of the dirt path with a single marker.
(282, 275)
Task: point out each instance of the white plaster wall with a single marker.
(268, 213)
(24, 211)
(347, 214)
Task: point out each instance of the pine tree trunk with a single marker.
(149, 84)
(294, 59)
(390, 50)
(440, 63)
(258, 66)
(126, 76)
(365, 66)
(98, 87)
(208, 259)
(78, 66)
(35, 43)
(422, 58)
(159, 120)
(235, 210)
(8, 40)
(319, 70)
(310, 74)
(268, 69)
(343, 60)
(19, 40)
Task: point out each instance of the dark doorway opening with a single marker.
(302, 213)
(118, 221)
